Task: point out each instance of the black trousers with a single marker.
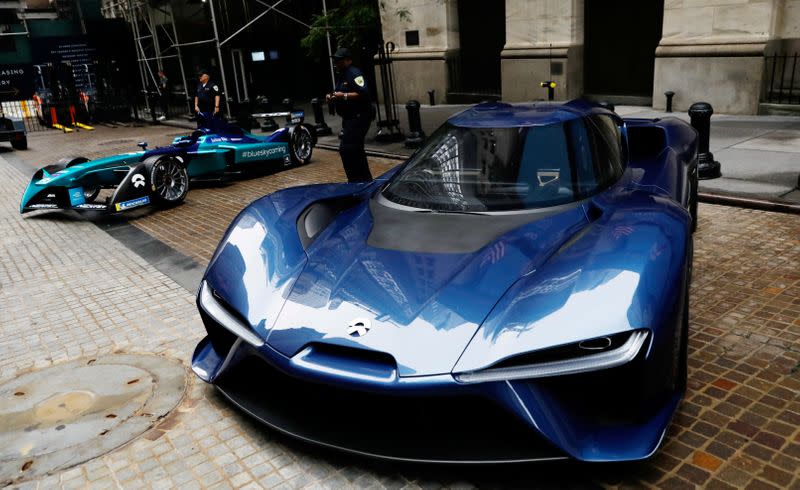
(165, 105)
(351, 148)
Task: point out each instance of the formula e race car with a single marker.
(516, 291)
(161, 176)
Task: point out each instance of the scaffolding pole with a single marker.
(135, 29)
(219, 54)
(328, 38)
(175, 43)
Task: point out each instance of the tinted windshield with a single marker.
(495, 169)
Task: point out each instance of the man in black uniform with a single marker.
(206, 99)
(353, 104)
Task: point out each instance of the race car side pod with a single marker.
(54, 121)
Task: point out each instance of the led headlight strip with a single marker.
(594, 362)
(224, 318)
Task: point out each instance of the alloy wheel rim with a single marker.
(303, 150)
(169, 181)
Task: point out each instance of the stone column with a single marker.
(544, 40)
(418, 69)
(713, 50)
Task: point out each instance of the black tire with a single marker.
(301, 144)
(170, 181)
(20, 144)
(693, 203)
(89, 193)
(682, 375)
(70, 161)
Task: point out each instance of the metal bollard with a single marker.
(700, 114)
(550, 85)
(415, 134)
(431, 97)
(320, 127)
(669, 94)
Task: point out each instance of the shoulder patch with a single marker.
(216, 88)
(359, 81)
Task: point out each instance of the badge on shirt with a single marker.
(359, 81)
(216, 89)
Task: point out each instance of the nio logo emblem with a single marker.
(138, 180)
(358, 327)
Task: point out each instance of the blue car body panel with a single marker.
(615, 263)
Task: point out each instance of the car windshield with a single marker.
(500, 169)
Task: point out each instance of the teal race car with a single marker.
(162, 176)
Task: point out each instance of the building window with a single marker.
(412, 38)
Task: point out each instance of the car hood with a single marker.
(421, 299)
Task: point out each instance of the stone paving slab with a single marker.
(68, 290)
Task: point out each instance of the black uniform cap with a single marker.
(342, 53)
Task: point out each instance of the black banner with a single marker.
(75, 50)
(16, 82)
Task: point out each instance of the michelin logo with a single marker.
(265, 153)
(133, 203)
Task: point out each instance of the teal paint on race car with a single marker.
(207, 153)
(95, 172)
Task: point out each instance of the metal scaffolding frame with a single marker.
(145, 21)
(142, 16)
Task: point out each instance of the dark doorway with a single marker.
(475, 73)
(620, 43)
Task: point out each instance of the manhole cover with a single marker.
(70, 413)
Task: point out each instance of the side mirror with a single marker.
(142, 145)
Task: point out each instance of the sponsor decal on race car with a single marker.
(43, 206)
(265, 153)
(133, 203)
(138, 180)
(91, 206)
(76, 196)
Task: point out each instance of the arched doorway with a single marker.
(620, 41)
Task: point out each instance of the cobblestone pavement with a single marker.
(68, 290)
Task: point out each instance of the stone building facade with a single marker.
(630, 51)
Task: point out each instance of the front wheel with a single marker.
(170, 182)
(301, 144)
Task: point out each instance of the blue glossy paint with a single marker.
(612, 263)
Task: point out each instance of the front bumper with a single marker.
(613, 415)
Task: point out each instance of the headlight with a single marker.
(221, 315)
(612, 357)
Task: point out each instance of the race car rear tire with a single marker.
(301, 144)
(20, 143)
(170, 181)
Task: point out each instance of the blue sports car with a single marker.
(161, 176)
(516, 291)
